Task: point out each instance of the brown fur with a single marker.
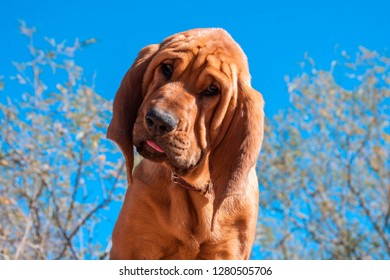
(215, 143)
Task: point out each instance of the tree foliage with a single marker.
(324, 169)
(58, 173)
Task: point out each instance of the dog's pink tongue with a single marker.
(154, 145)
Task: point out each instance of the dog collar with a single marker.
(184, 184)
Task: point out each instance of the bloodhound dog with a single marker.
(188, 107)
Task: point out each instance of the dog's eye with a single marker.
(211, 90)
(167, 70)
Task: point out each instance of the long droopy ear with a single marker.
(237, 152)
(127, 101)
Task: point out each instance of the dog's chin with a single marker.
(149, 153)
(180, 170)
(176, 163)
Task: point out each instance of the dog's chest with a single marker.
(190, 215)
(188, 223)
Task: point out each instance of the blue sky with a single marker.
(274, 34)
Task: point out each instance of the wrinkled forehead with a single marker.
(212, 46)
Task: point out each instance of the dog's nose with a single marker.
(159, 122)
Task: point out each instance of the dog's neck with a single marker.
(199, 179)
(207, 188)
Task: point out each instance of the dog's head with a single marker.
(188, 103)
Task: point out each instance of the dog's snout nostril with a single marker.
(159, 122)
(149, 122)
(162, 128)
